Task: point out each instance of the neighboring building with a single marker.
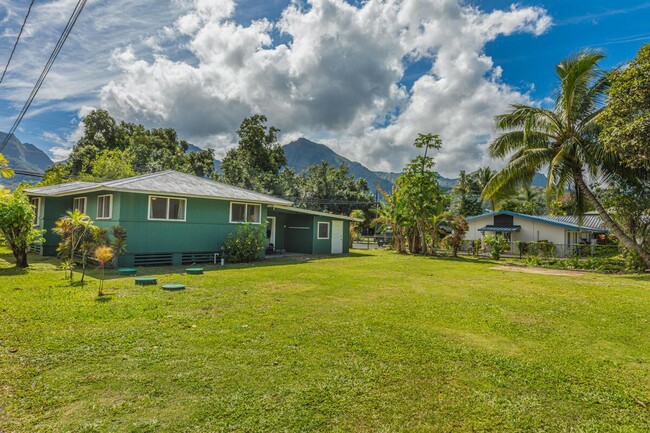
(176, 218)
(564, 231)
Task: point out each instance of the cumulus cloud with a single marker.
(337, 77)
(326, 69)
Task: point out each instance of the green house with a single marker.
(174, 218)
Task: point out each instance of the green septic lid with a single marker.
(173, 286)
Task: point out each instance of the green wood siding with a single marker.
(205, 228)
(299, 233)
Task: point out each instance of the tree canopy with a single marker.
(111, 150)
(626, 119)
(257, 160)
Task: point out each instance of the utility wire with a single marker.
(13, 50)
(57, 49)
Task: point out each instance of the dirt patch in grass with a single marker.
(542, 271)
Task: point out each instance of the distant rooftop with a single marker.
(163, 182)
(588, 222)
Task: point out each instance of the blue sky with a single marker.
(319, 69)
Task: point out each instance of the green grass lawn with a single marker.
(373, 341)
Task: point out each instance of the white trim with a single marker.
(37, 211)
(85, 199)
(318, 236)
(246, 204)
(313, 212)
(110, 208)
(184, 200)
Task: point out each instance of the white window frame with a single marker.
(85, 199)
(37, 210)
(184, 200)
(110, 208)
(245, 213)
(318, 230)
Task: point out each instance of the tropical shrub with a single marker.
(245, 244)
(16, 229)
(454, 240)
(103, 254)
(497, 245)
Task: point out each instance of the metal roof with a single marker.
(168, 182)
(500, 229)
(591, 223)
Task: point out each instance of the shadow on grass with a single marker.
(637, 277)
(13, 271)
(146, 271)
(104, 298)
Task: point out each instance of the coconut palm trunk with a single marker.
(629, 243)
(564, 139)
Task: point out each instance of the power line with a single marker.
(57, 49)
(13, 50)
(27, 173)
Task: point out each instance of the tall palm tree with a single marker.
(564, 139)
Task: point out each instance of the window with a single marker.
(79, 204)
(104, 207)
(323, 230)
(166, 208)
(245, 212)
(36, 204)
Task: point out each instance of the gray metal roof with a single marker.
(591, 221)
(61, 189)
(163, 182)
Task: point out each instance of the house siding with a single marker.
(206, 226)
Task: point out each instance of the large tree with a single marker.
(418, 193)
(258, 159)
(626, 119)
(564, 139)
(109, 150)
(327, 188)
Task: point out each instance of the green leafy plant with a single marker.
(497, 245)
(454, 240)
(245, 244)
(16, 225)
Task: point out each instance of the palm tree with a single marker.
(482, 177)
(564, 139)
(529, 200)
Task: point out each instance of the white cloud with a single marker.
(335, 76)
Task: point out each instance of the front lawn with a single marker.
(373, 341)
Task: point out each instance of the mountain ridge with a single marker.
(300, 154)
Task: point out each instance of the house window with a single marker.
(323, 230)
(36, 204)
(104, 207)
(166, 208)
(245, 212)
(79, 204)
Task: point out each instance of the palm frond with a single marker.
(519, 171)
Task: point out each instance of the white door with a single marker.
(337, 237)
